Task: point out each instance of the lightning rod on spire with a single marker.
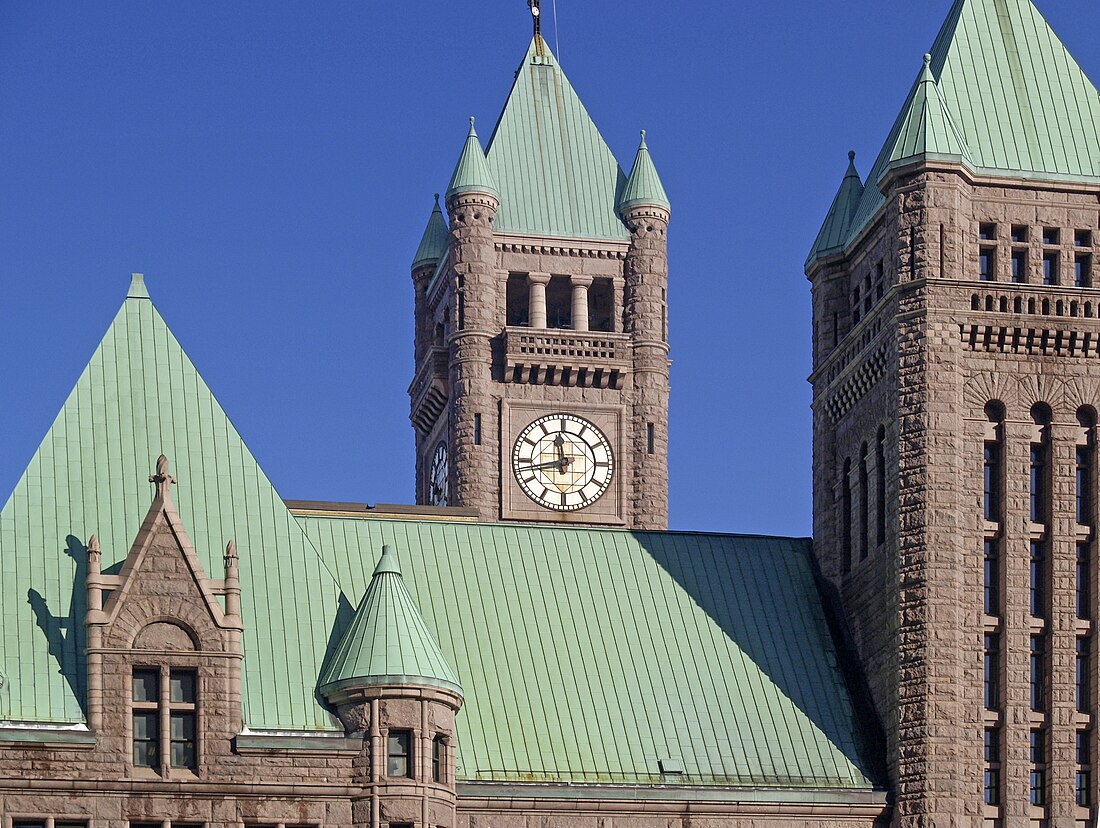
(536, 13)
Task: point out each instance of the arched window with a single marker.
(992, 478)
(846, 516)
(864, 503)
(1039, 477)
(880, 485)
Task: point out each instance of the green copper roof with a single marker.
(471, 174)
(557, 176)
(644, 185)
(589, 655)
(433, 245)
(834, 232)
(140, 397)
(1021, 105)
(388, 642)
(927, 131)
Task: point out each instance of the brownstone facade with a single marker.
(963, 319)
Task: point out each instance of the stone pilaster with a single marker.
(475, 479)
(645, 319)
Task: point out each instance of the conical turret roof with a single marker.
(388, 643)
(927, 130)
(644, 185)
(472, 174)
(434, 242)
(834, 231)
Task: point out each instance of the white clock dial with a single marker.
(563, 462)
(439, 489)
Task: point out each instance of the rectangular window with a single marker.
(1037, 483)
(1037, 576)
(987, 264)
(182, 730)
(399, 750)
(1050, 268)
(146, 740)
(846, 516)
(880, 485)
(649, 438)
(437, 758)
(1084, 499)
(1051, 235)
(477, 429)
(1082, 684)
(992, 766)
(992, 482)
(1082, 271)
(864, 507)
(987, 232)
(992, 671)
(1038, 673)
(1038, 768)
(1084, 769)
(992, 578)
(1019, 266)
(1084, 585)
(1083, 238)
(462, 303)
(1019, 233)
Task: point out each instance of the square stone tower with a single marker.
(956, 347)
(542, 381)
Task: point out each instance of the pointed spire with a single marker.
(472, 172)
(927, 129)
(137, 287)
(644, 185)
(834, 232)
(433, 244)
(388, 642)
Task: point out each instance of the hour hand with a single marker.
(553, 464)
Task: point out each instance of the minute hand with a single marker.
(554, 464)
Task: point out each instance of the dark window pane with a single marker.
(1084, 590)
(1050, 235)
(986, 264)
(146, 739)
(1082, 238)
(1019, 233)
(437, 759)
(1037, 484)
(992, 577)
(146, 685)
(1082, 684)
(987, 232)
(1019, 266)
(992, 671)
(1050, 269)
(1082, 270)
(992, 786)
(183, 686)
(1037, 575)
(183, 740)
(1084, 499)
(1038, 674)
(991, 497)
(399, 745)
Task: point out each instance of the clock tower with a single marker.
(542, 370)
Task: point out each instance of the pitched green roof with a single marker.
(927, 130)
(471, 173)
(644, 185)
(433, 244)
(588, 655)
(1021, 105)
(556, 175)
(388, 642)
(834, 231)
(140, 397)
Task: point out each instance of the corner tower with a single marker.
(955, 395)
(542, 382)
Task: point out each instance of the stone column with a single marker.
(646, 274)
(536, 299)
(581, 284)
(473, 265)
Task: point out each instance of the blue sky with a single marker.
(270, 167)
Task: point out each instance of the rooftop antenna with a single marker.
(557, 45)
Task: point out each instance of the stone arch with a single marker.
(165, 635)
(1043, 389)
(985, 386)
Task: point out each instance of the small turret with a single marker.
(433, 244)
(472, 174)
(393, 687)
(643, 187)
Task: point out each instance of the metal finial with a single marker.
(536, 13)
(163, 477)
(927, 59)
(851, 155)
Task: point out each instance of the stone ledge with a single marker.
(14, 736)
(301, 745)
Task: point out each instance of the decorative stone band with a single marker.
(1031, 341)
(851, 388)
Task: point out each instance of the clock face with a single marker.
(439, 490)
(563, 462)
